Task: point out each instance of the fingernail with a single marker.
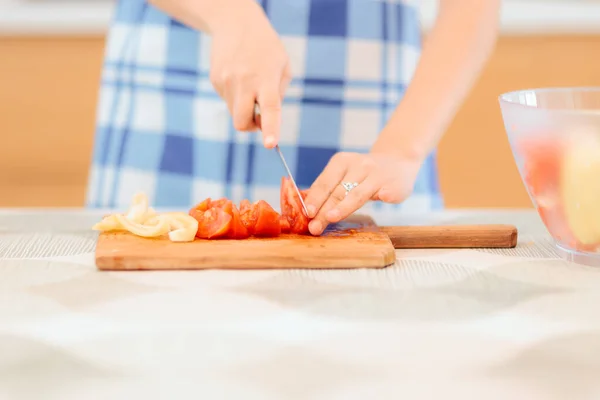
(333, 215)
(312, 210)
(269, 141)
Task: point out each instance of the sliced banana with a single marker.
(143, 221)
(109, 223)
(183, 227)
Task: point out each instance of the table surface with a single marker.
(467, 324)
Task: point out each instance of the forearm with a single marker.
(207, 15)
(453, 56)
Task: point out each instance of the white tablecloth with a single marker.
(464, 324)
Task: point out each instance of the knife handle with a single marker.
(452, 236)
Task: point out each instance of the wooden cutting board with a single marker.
(355, 243)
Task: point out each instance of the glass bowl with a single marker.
(554, 135)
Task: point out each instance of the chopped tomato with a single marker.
(245, 205)
(237, 229)
(218, 219)
(213, 223)
(220, 203)
(222, 219)
(203, 206)
(260, 218)
(285, 224)
(248, 215)
(267, 221)
(291, 208)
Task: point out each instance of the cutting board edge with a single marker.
(105, 263)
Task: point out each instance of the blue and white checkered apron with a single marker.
(163, 130)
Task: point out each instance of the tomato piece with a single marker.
(237, 230)
(218, 219)
(267, 220)
(220, 203)
(261, 219)
(203, 206)
(245, 205)
(291, 208)
(213, 223)
(285, 224)
(248, 215)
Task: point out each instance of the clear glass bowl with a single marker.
(555, 139)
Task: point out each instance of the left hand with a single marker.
(379, 177)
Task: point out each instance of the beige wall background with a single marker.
(48, 91)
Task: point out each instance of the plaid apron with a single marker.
(163, 130)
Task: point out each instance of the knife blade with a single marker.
(257, 119)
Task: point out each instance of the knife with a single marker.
(285, 165)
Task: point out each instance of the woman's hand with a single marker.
(385, 177)
(248, 61)
(249, 64)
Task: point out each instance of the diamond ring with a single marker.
(348, 186)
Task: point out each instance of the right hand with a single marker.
(249, 64)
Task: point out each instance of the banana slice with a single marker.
(183, 227)
(109, 223)
(159, 229)
(580, 184)
(143, 221)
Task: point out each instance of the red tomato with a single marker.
(244, 205)
(291, 208)
(285, 224)
(203, 206)
(213, 223)
(247, 215)
(260, 219)
(218, 219)
(237, 230)
(220, 203)
(267, 222)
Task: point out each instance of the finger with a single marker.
(338, 195)
(325, 183)
(270, 112)
(354, 200)
(216, 80)
(227, 93)
(285, 81)
(388, 195)
(243, 111)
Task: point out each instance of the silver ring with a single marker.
(348, 186)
